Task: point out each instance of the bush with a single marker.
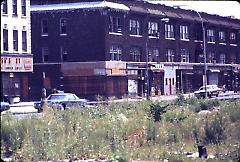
(156, 111)
(215, 130)
(205, 105)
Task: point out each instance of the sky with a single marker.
(222, 8)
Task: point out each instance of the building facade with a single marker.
(16, 56)
(117, 48)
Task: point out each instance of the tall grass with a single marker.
(122, 131)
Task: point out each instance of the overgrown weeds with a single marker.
(123, 131)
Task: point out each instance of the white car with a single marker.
(212, 90)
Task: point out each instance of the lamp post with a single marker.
(204, 48)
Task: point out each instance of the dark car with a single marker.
(4, 106)
(61, 101)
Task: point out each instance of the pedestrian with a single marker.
(224, 88)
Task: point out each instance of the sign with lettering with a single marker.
(16, 64)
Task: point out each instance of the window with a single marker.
(115, 25)
(23, 7)
(153, 29)
(170, 55)
(184, 35)
(134, 27)
(135, 54)
(222, 58)
(115, 52)
(169, 33)
(24, 41)
(14, 7)
(221, 36)
(211, 57)
(198, 32)
(210, 35)
(153, 55)
(184, 55)
(64, 54)
(44, 27)
(4, 7)
(15, 40)
(63, 26)
(45, 54)
(232, 36)
(5, 39)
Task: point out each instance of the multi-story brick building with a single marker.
(103, 48)
(16, 57)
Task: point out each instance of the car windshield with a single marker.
(57, 97)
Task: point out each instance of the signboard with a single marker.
(16, 64)
(132, 87)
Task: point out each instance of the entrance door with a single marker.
(170, 86)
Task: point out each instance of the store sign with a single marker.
(16, 64)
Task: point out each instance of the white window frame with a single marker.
(169, 31)
(136, 54)
(222, 37)
(210, 35)
(222, 58)
(4, 7)
(134, 27)
(115, 52)
(153, 29)
(170, 53)
(184, 34)
(184, 55)
(153, 55)
(115, 24)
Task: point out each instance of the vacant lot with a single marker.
(127, 131)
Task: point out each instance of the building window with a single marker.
(14, 6)
(64, 54)
(23, 7)
(184, 35)
(211, 57)
(45, 54)
(233, 58)
(135, 54)
(115, 53)
(15, 40)
(63, 26)
(24, 41)
(170, 55)
(5, 8)
(210, 35)
(134, 27)
(5, 39)
(221, 36)
(198, 32)
(44, 27)
(233, 38)
(153, 29)
(222, 58)
(153, 55)
(115, 24)
(169, 33)
(184, 55)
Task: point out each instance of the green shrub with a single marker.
(215, 130)
(156, 111)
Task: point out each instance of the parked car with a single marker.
(212, 90)
(61, 101)
(4, 106)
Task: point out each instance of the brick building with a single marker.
(16, 56)
(104, 47)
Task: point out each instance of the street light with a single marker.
(165, 19)
(204, 47)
